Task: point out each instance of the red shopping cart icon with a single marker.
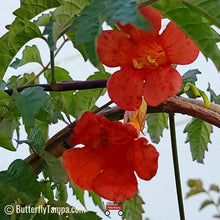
(113, 206)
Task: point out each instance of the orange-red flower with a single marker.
(112, 152)
(145, 59)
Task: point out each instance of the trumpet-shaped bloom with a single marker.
(112, 152)
(145, 59)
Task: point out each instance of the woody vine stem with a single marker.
(176, 166)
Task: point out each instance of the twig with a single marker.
(176, 166)
(55, 145)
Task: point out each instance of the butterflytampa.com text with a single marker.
(43, 209)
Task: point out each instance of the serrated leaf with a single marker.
(42, 20)
(31, 54)
(133, 208)
(5, 141)
(79, 193)
(20, 32)
(209, 9)
(85, 100)
(190, 77)
(49, 113)
(36, 139)
(46, 190)
(155, 125)
(194, 25)
(126, 12)
(88, 23)
(213, 97)
(29, 101)
(205, 203)
(61, 192)
(20, 179)
(97, 200)
(198, 135)
(53, 167)
(31, 8)
(64, 15)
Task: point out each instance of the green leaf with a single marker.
(97, 200)
(42, 20)
(91, 53)
(49, 32)
(196, 187)
(213, 97)
(156, 123)
(29, 102)
(133, 208)
(49, 113)
(64, 14)
(205, 203)
(71, 34)
(20, 32)
(21, 180)
(85, 100)
(31, 54)
(209, 9)
(5, 141)
(15, 63)
(47, 190)
(88, 23)
(54, 168)
(126, 12)
(62, 100)
(79, 193)
(198, 135)
(61, 192)
(36, 139)
(9, 120)
(190, 77)
(194, 25)
(31, 8)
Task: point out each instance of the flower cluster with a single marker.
(113, 152)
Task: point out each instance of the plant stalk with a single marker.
(176, 166)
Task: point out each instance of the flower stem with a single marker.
(176, 166)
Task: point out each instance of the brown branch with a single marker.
(66, 86)
(60, 141)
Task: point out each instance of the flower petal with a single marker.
(116, 184)
(82, 166)
(145, 159)
(115, 49)
(86, 130)
(125, 88)
(160, 84)
(151, 15)
(178, 48)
